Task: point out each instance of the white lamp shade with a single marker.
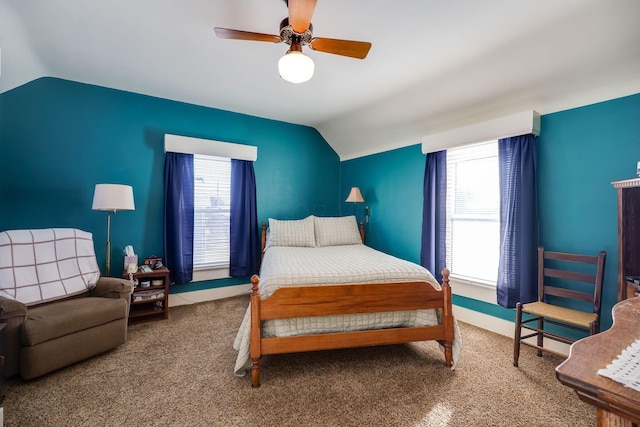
(355, 196)
(113, 197)
(296, 67)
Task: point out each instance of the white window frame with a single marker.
(208, 147)
(521, 123)
(210, 171)
(476, 288)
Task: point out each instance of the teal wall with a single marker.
(580, 151)
(391, 185)
(59, 138)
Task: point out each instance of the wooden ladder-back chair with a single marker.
(582, 284)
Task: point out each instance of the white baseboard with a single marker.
(500, 326)
(193, 297)
(475, 318)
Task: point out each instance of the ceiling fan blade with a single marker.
(351, 48)
(300, 12)
(226, 33)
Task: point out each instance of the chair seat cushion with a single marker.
(562, 314)
(60, 318)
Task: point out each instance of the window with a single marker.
(473, 212)
(212, 203)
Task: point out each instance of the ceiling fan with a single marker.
(297, 31)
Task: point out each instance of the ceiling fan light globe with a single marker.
(296, 67)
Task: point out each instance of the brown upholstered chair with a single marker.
(55, 307)
(562, 277)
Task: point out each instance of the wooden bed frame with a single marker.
(303, 301)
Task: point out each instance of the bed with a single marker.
(321, 288)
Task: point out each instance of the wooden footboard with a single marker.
(308, 301)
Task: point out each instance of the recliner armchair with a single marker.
(67, 326)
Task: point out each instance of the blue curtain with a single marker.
(432, 253)
(517, 270)
(245, 237)
(178, 216)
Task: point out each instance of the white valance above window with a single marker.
(209, 147)
(504, 127)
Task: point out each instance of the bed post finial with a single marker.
(361, 230)
(254, 284)
(445, 277)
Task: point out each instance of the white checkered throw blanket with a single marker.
(43, 265)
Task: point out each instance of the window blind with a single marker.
(212, 202)
(473, 211)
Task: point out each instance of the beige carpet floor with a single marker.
(179, 372)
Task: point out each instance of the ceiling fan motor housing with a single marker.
(289, 36)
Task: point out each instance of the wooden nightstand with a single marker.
(150, 297)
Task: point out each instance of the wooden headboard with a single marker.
(263, 235)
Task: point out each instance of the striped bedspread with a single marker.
(295, 266)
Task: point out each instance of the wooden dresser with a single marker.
(628, 236)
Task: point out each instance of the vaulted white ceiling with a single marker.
(434, 64)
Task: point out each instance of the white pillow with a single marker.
(298, 233)
(334, 231)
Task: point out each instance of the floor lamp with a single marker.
(112, 198)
